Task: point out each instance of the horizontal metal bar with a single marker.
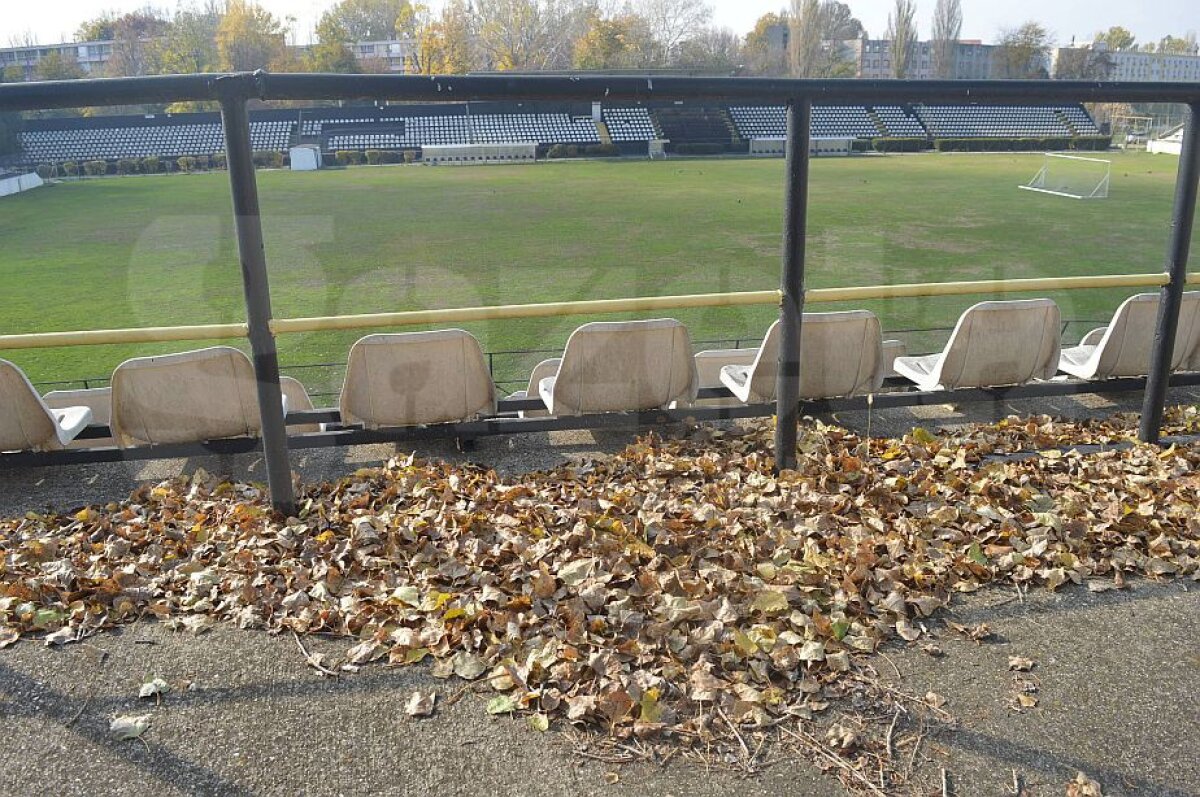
(103, 337)
(281, 326)
(862, 293)
(504, 426)
(543, 310)
(454, 88)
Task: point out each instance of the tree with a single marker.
(804, 47)
(712, 50)
(56, 66)
(1083, 63)
(947, 27)
(1179, 46)
(134, 49)
(902, 33)
(249, 37)
(622, 42)
(530, 34)
(672, 22)
(190, 42)
(765, 49)
(838, 22)
(99, 29)
(1117, 39)
(1022, 52)
(447, 46)
(369, 20)
(331, 53)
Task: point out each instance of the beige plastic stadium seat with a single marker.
(27, 423)
(544, 369)
(188, 397)
(993, 344)
(416, 378)
(623, 366)
(708, 368)
(1123, 348)
(296, 399)
(96, 399)
(841, 354)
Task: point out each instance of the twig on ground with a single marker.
(311, 660)
(942, 714)
(1016, 783)
(945, 784)
(79, 713)
(890, 730)
(815, 745)
(894, 667)
(746, 762)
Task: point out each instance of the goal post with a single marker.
(1072, 176)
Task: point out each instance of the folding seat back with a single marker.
(188, 397)
(26, 423)
(1187, 338)
(416, 378)
(1125, 347)
(623, 366)
(841, 354)
(1002, 343)
(298, 400)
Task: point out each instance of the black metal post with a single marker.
(244, 186)
(795, 222)
(1154, 403)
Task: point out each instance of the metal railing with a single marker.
(233, 91)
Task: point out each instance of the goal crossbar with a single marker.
(1097, 191)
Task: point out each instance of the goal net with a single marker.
(1072, 176)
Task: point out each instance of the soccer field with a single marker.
(159, 250)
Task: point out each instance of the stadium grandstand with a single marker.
(695, 129)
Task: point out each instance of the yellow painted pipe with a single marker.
(101, 337)
(548, 309)
(863, 293)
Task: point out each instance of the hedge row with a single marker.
(153, 165)
(588, 151)
(1022, 144)
(354, 157)
(900, 144)
(699, 149)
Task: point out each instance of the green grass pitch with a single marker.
(157, 251)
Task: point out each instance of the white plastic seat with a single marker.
(27, 423)
(841, 354)
(1123, 348)
(623, 366)
(543, 370)
(96, 399)
(416, 378)
(187, 397)
(297, 400)
(993, 344)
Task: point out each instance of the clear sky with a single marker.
(56, 20)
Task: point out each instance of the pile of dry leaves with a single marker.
(642, 594)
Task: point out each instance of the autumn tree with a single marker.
(248, 37)
(764, 51)
(1022, 52)
(97, 29)
(947, 28)
(712, 50)
(530, 34)
(10, 123)
(447, 45)
(1185, 45)
(331, 53)
(1083, 63)
(189, 44)
(622, 42)
(369, 20)
(804, 46)
(838, 22)
(135, 43)
(672, 22)
(902, 33)
(56, 66)
(1117, 39)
